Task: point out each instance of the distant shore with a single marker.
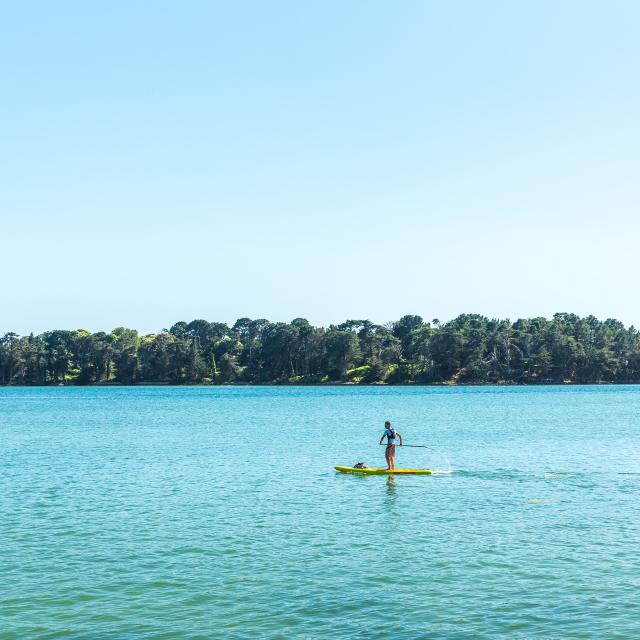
(324, 384)
(468, 350)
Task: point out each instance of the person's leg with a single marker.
(391, 457)
(387, 456)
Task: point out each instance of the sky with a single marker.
(164, 161)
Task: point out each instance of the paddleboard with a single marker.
(377, 471)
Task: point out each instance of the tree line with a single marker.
(470, 349)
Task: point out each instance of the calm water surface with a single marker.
(202, 512)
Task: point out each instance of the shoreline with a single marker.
(324, 384)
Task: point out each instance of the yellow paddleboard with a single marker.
(426, 472)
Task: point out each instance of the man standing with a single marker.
(390, 434)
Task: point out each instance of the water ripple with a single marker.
(124, 516)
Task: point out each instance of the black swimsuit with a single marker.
(390, 438)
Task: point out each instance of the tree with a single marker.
(339, 349)
(125, 354)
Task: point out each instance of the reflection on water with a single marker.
(391, 489)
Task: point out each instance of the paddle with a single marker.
(415, 446)
(421, 446)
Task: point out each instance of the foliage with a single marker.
(469, 349)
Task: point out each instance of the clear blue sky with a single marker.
(162, 161)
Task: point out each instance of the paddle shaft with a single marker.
(415, 446)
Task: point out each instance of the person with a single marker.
(390, 434)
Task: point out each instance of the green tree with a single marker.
(125, 354)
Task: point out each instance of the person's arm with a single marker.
(399, 436)
(381, 439)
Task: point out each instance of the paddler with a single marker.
(390, 434)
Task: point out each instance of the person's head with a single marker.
(387, 425)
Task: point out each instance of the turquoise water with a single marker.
(204, 512)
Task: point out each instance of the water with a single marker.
(203, 512)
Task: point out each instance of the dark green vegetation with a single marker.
(469, 349)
